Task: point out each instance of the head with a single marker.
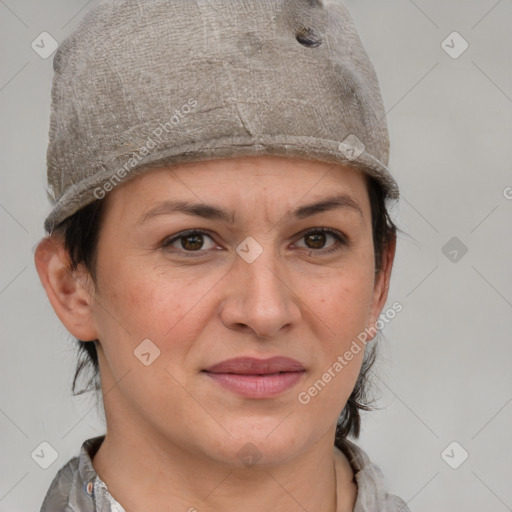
(269, 118)
(115, 280)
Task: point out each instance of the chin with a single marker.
(266, 442)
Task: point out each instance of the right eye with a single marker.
(191, 241)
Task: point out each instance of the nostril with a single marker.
(307, 37)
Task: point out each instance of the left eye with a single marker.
(193, 240)
(318, 236)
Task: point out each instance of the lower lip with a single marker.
(257, 386)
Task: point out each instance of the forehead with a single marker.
(243, 182)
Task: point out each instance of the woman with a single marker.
(220, 248)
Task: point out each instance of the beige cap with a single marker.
(141, 84)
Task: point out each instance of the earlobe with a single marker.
(70, 293)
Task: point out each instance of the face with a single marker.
(179, 293)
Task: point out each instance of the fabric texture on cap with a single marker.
(143, 84)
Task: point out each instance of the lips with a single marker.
(253, 366)
(257, 378)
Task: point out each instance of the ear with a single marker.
(381, 287)
(70, 293)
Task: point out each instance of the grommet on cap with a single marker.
(307, 37)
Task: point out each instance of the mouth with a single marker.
(257, 378)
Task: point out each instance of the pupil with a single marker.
(319, 240)
(192, 246)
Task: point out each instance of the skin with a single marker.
(173, 435)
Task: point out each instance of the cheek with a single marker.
(143, 302)
(344, 303)
(343, 306)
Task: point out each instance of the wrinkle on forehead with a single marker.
(271, 186)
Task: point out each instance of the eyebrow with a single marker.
(207, 211)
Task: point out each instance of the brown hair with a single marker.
(80, 232)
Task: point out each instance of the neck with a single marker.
(168, 478)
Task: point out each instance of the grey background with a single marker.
(444, 373)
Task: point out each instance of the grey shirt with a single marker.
(77, 487)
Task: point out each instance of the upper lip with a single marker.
(254, 366)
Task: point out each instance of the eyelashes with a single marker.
(192, 241)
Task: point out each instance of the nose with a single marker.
(260, 297)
